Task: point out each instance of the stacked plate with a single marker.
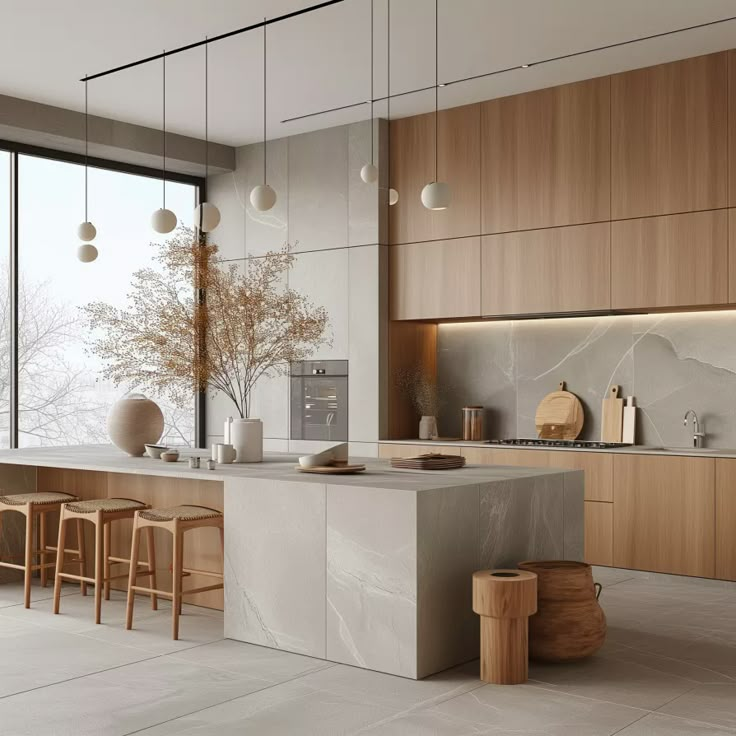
(430, 461)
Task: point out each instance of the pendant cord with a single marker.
(206, 110)
(163, 129)
(372, 134)
(265, 145)
(436, 84)
(86, 153)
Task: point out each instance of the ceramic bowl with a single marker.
(170, 456)
(155, 451)
(318, 460)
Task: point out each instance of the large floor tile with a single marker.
(714, 704)
(122, 700)
(11, 594)
(292, 708)
(526, 708)
(659, 725)
(264, 663)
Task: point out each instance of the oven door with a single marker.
(319, 408)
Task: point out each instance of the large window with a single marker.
(4, 299)
(62, 397)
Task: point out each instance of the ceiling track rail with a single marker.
(551, 60)
(213, 39)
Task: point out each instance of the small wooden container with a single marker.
(472, 423)
(504, 599)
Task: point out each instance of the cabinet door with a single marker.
(412, 153)
(664, 514)
(673, 261)
(435, 280)
(598, 533)
(598, 469)
(725, 519)
(564, 269)
(669, 138)
(546, 157)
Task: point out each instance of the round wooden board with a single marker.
(559, 415)
(332, 469)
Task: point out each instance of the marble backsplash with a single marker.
(669, 362)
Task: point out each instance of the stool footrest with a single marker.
(207, 573)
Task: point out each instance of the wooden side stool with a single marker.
(177, 520)
(101, 512)
(504, 599)
(35, 506)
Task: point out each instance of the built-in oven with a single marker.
(319, 400)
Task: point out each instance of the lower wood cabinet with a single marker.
(599, 533)
(435, 280)
(726, 519)
(664, 514)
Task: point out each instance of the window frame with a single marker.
(16, 150)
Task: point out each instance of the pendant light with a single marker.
(369, 172)
(436, 194)
(162, 220)
(393, 195)
(86, 231)
(263, 196)
(206, 215)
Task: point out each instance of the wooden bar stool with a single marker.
(177, 520)
(35, 507)
(101, 512)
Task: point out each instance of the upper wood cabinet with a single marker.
(669, 137)
(673, 261)
(546, 157)
(732, 128)
(412, 165)
(435, 280)
(664, 514)
(564, 269)
(725, 519)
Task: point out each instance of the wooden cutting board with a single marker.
(559, 415)
(612, 416)
(332, 469)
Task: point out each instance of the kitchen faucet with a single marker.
(698, 434)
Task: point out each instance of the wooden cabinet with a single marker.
(673, 261)
(566, 269)
(732, 256)
(598, 469)
(669, 138)
(664, 514)
(598, 533)
(725, 519)
(546, 157)
(435, 280)
(732, 128)
(412, 157)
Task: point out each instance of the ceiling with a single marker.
(322, 60)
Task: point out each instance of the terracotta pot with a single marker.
(135, 422)
(569, 623)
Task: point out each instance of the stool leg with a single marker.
(151, 549)
(61, 545)
(99, 572)
(107, 560)
(176, 581)
(134, 545)
(82, 556)
(28, 557)
(42, 547)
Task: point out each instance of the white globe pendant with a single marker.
(206, 217)
(436, 195)
(86, 231)
(263, 197)
(393, 196)
(163, 221)
(369, 173)
(87, 253)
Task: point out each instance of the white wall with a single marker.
(336, 225)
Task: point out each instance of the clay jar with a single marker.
(569, 623)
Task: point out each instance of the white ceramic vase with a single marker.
(246, 436)
(428, 428)
(134, 422)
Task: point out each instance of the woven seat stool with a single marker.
(35, 506)
(176, 520)
(101, 512)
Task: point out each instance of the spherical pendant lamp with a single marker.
(163, 221)
(369, 173)
(206, 217)
(393, 196)
(87, 253)
(436, 196)
(86, 232)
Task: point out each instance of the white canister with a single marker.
(225, 454)
(226, 439)
(246, 436)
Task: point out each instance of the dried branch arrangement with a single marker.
(420, 390)
(196, 323)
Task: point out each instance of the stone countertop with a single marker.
(276, 466)
(633, 450)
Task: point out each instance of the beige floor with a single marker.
(669, 667)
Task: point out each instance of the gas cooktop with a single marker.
(587, 444)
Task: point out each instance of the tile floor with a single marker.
(668, 668)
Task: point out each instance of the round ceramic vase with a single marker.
(133, 423)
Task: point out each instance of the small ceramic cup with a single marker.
(225, 454)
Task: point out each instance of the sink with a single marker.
(683, 450)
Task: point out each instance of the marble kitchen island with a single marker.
(372, 570)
